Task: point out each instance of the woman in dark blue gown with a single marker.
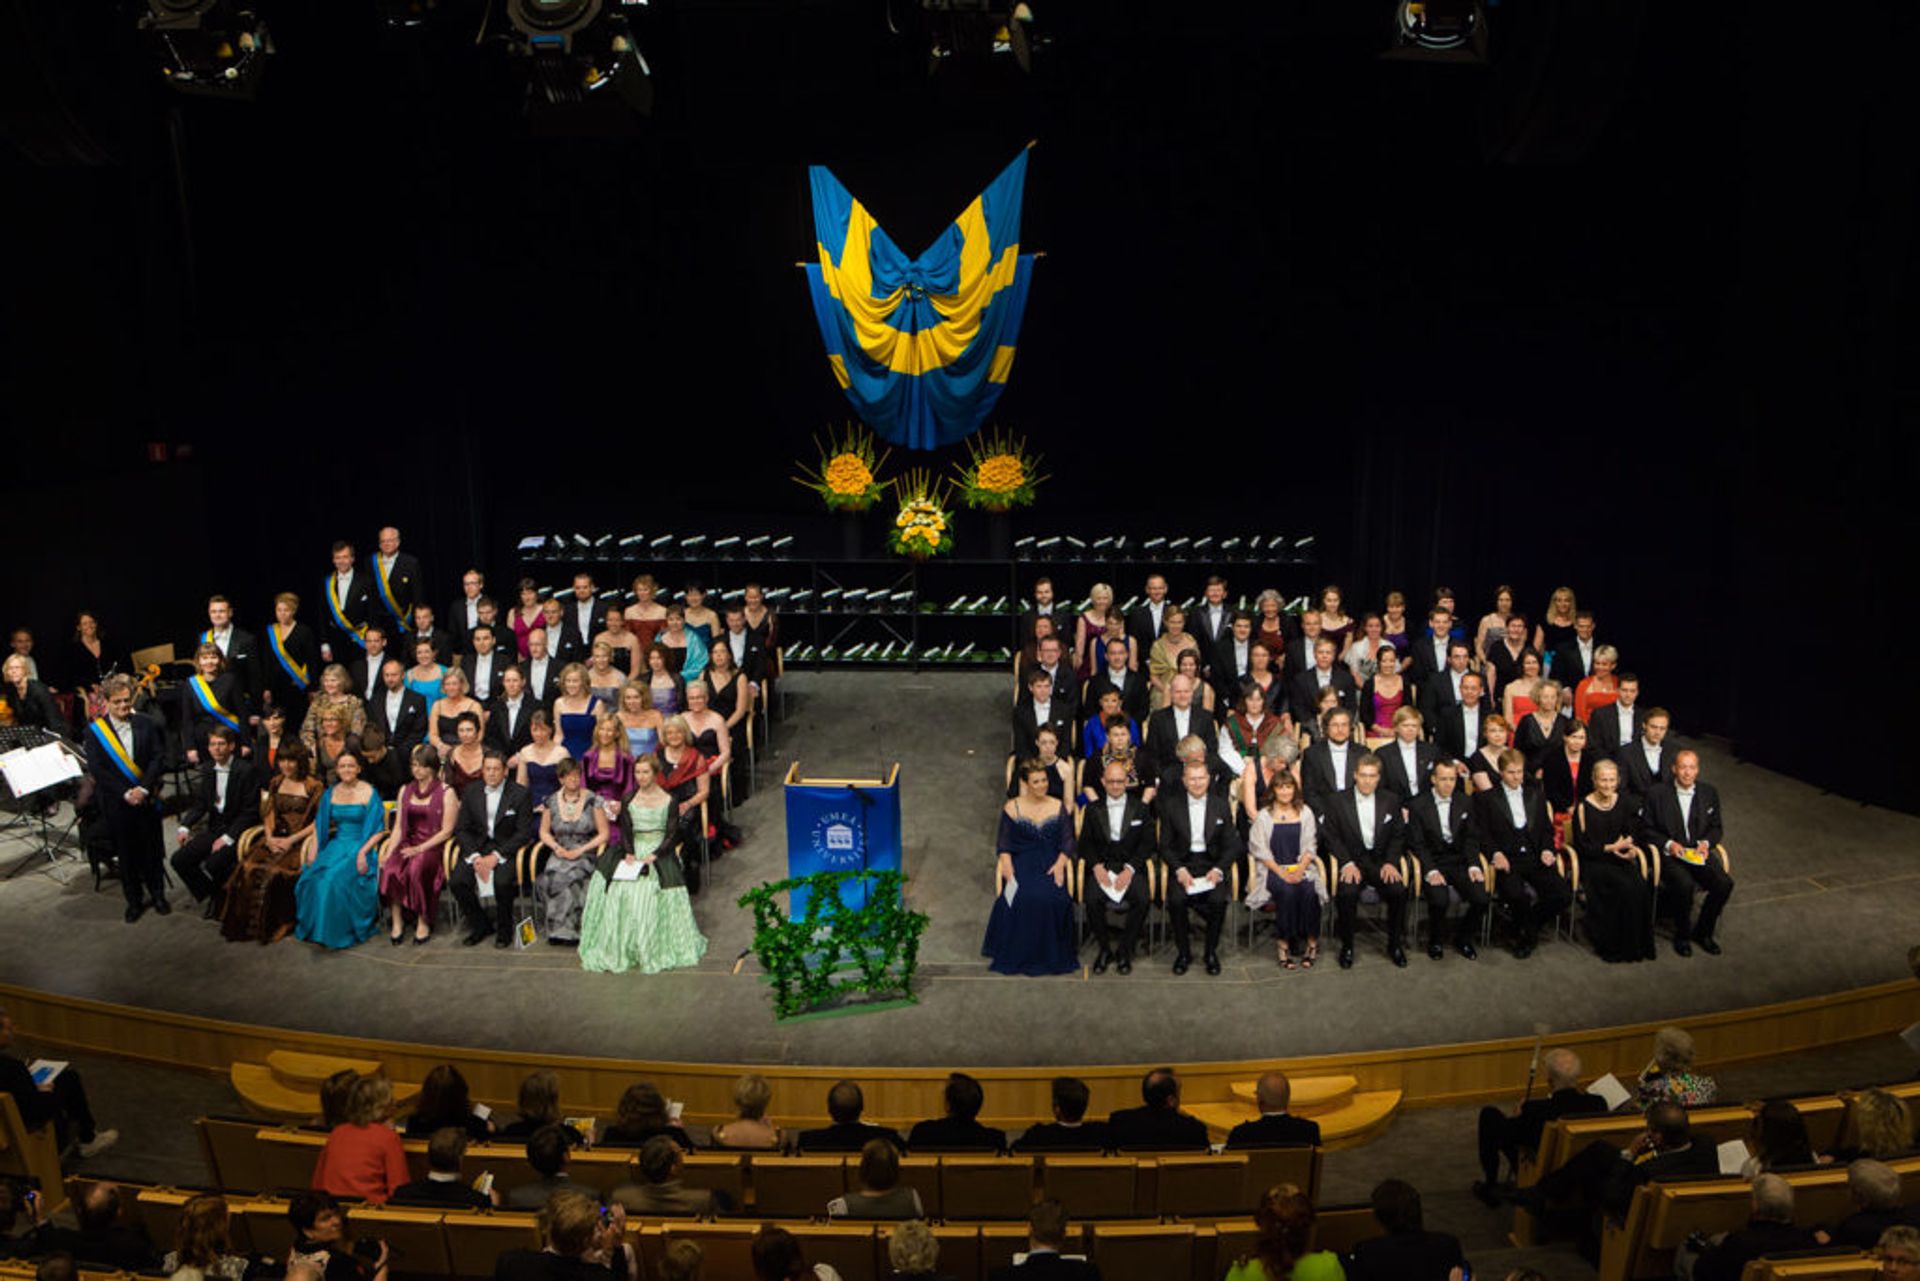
(1033, 933)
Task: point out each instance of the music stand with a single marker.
(32, 763)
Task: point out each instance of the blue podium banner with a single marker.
(841, 825)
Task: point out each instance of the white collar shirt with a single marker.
(1685, 796)
(1443, 806)
(1182, 718)
(1410, 761)
(1338, 753)
(493, 805)
(1516, 804)
(220, 775)
(396, 699)
(1470, 723)
(1116, 815)
(1366, 809)
(1196, 823)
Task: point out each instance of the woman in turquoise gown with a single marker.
(642, 922)
(337, 898)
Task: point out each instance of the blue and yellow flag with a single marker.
(922, 346)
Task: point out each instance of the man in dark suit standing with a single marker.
(1441, 689)
(1038, 709)
(1050, 658)
(1300, 648)
(363, 673)
(1573, 661)
(1304, 689)
(1328, 765)
(1212, 617)
(1231, 660)
(579, 621)
(1440, 832)
(464, 614)
(1507, 1136)
(1180, 718)
(425, 627)
(1620, 723)
(510, 717)
(1648, 760)
(349, 602)
(1428, 653)
(1198, 844)
(1365, 832)
(848, 1133)
(1042, 607)
(1276, 1128)
(1158, 1124)
(483, 662)
(496, 819)
(541, 669)
(126, 752)
(749, 655)
(1681, 819)
(398, 583)
(1046, 1242)
(1516, 835)
(1462, 728)
(960, 1129)
(1147, 620)
(1116, 839)
(240, 648)
(1069, 1131)
(226, 794)
(1114, 674)
(1406, 762)
(401, 712)
(1407, 1252)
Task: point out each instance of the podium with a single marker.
(841, 825)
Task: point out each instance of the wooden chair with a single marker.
(959, 1250)
(1142, 1252)
(475, 1241)
(921, 1173)
(999, 1242)
(33, 1154)
(986, 1187)
(1409, 868)
(722, 1172)
(845, 1247)
(287, 1157)
(1095, 1187)
(1232, 1239)
(417, 1237)
(1831, 1266)
(797, 1187)
(157, 1210)
(268, 1231)
(727, 1247)
(1267, 1167)
(231, 1149)
(1341, 1227)
(1196, 1187)
(601, 1169)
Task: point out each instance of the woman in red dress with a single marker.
(412, 874)
(1600, 689)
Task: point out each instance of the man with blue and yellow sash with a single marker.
(125, 751)
(241, 650)
(398, 584)
(349, 605)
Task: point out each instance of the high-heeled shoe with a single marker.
(420, 940)
(396, 939)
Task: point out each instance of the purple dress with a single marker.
(414, 882)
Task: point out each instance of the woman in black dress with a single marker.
(211, 697)
(1619, 912)
(1539, 732)
(293, 660)
(89, 660)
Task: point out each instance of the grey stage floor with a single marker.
(1828, 894)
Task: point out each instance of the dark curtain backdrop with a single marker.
(1628, 310)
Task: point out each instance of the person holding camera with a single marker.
(322, 1239)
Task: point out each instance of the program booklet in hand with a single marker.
(1609, 1088)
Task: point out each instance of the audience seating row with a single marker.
(30, 1154)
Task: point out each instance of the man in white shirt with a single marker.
(1036, 708)
(1463, 726)
(541, 671)
(1304, 690)
(1648, 760)
(1230, 660)
(1181, 718)
(1516, 835)
(1619, 723)
(400, 711)
(1681, 819)
(365, 672)
(125, 755)
(496, 820)
(1198, 845)
(1213, 615)
(1116, 839)
(1367, 835)
(484, 663)
(466, 609)
(1147, 620)
(1043, 607)
(226, 795)
(1440, 834)
(1327, 766)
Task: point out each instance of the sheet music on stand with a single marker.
(32, 760)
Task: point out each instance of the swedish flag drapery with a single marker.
(922, 346)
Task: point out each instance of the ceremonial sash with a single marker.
(386, 594)
(115, 752)
(340, 615)
(203, 692)
(294, 671)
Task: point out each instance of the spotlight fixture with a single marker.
(578, 48)
(1454, 30)
(213, 47)
(979, 30)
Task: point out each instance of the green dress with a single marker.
(645, 924)
(1321, 1265)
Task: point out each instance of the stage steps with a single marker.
(1348, 1115)
(287, 1086)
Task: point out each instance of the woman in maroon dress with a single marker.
(412, 874)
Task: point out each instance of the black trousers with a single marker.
(1679, 881)
(72, 1117)
(1132, 909)
(1499, 1137)
(203, 869)
(141, 849)
(1551, 893)
(466, 892)
(1440, 897)
(1346, 904)
(1212, 909)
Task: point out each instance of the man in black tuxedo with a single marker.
(425, 627)
(1043, 607)
(241, 649)
(1328, 766)
(348, 596)
(398, 583)
(960, 1129)
(1462, 728)
(1050, 657)
(1428, 654)
(1606, 1176)
(483, 662)
(1406, 1251)
(1038, 709)
(1366, 833)
(1276, 1128)
(1180, 718)
(510, 717)
(126, 787)
(464, 614)
(226, 794)
(1440, 832)
(1198, 844)
(1681, 819)
(1147, 620)
(400, 711)
(1304, 689)
(1620, 723)
(1648, 760)
(1069, 1131)
(443, 1185)
(1573, 661)
(1114, 674)
(1505, 655)
(1116, 839)
(1231, 660)
(1769, 1230)
(1507, 1136)
(749, 655)
(1158, 1124)
(579, 621)
(541, 669)
(363, 673)
(1441, 689)
(496, 819)
(1406, 762)
(848, 1133)
(1211, 618)
(1046, 1245)
(1300, 648)
(1516, 834)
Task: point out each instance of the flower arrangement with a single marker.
(923, 526)
(847, 476)
(999, 474)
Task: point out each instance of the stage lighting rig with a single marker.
(1455, 30)
(980, 30)
(578, 48)
(218, 48)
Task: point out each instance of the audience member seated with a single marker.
(662, 1189)
(1776, 1139)
(1188, 664)
(1881, 1125)
(1365, 832)
(1619, 913)
(548, 1151)
(1516, 836)
(539, 1106)
(203, 1246)
(1046, 753)
(413, 874)
(496, 819)
(1408, 1252)
(362, 1157)
(750, 1129)
(848, 1133)
(913, 1252)
(1406, 761)
(1163, 658)
(1327, 767)
(680, 1261)
(1617, 724)
(1030, 926)
(1284, 1219)
(1670, 1077)
(1604, 1176)
(1119, 675)
(777, 1256)
(1648, 759)
(1595, 693)
(443, 1185)
(1440, 834)
(1681, 821)
(581, 1244)
(1483, 765)
(1518, 691)
(1384, 695)
(1157, 1124)
(1198, 845)
(1362, 654)
(101, 1240)
(1116, 842)
(336, 1093)
(63, 1102)
(1286, 871)
(1093, 734)
(1069, 1131)
(445, 1100)
(1513, 1135)
(1306, 687)
(1566, 775)
(574, 829)
(960, 1129)
(1769, 1230)
(1874, 1188)
(1045, 1258)
(1276, 1128)
(1538, 733)
(877, 1193)
(643, 1113)
(1899, 1253)
(323, 1240)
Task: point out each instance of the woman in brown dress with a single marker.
(259, 900)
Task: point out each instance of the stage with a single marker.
(1826, 899)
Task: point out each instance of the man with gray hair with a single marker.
(1507, 1136)
(1769, 1230)
(1875, 1189)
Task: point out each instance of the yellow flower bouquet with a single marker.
(999, 474)
(923, 526)
(847, 477)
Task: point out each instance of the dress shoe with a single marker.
(476, 938)
(1531, 1199)
(212, 910)
(1522, 949)
(100, 1142)
(1101, 961)
(1486, 1194)
(1682, 948)
(134, 912)
(162, 908)
(1125, 964)
(1467, 950)
(1346, 956)
(1213, 962)
(503, 942)
(1707, 945)
(1435, 952)
(1397, 954)
(1181, 962)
